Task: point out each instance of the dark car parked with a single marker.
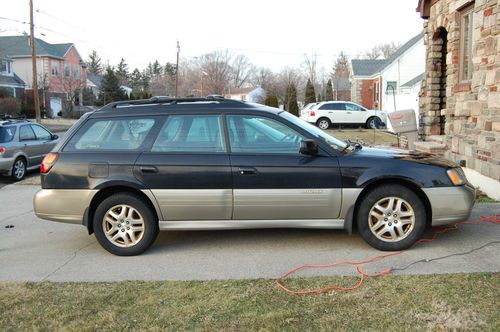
(133, 168)
(23, 144)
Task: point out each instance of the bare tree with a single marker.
(310, 63)
(286, 78)
(72, 87)
(242, 70)
(219, 71)
(382, 51)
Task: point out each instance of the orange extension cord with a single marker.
(438, 231)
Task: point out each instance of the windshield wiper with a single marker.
(354, 145)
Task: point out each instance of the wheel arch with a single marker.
(109, 191)
(398, 181)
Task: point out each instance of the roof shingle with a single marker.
(18, 46)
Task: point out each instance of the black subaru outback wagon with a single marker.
(134, 168)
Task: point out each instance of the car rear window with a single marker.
(7, 134)
(111, 134)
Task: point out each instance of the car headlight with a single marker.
(456, 176)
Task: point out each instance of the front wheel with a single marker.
(391, 217)
(124, 225)
(373, 123)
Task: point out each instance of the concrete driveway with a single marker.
(37, 250)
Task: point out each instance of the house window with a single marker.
(466, 28)
(54, 65)
(67, 70)
(4, 67)
(76, 71)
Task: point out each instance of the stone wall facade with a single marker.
(466, 112)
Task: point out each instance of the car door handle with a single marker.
(149, 169)
(248, 171)
(348, 112)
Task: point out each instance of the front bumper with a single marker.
(450, 204)
(63, 205)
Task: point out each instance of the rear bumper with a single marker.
(6, 165)
(63, 205)
(451, 204)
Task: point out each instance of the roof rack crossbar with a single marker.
(160, 100)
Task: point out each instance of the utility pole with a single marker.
(36, 98)
(177, 71)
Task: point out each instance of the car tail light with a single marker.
(2, 150)
(48, 162)
(312, 113)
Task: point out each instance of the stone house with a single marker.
(459, 97)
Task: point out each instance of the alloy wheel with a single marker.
(19, 169)
(123, 225)
(391, 219)
(323, 124)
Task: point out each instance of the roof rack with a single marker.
(163, 100)
(10, 118)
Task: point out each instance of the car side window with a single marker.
(111, 134)
(191, 133)
(352, 107)
(255, 134)
(41, 133)
(327, 107)
(26, 133)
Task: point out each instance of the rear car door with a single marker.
(188, 169)
(272, 180)
(334, 111)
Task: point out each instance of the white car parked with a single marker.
(326, 113)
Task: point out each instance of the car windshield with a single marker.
(332, 141)
(7, 134)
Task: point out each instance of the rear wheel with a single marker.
(323, 123)
(391, 217)
(18, 169)
(125, 225)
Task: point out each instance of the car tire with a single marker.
(373, 123)
(391, 218)
(323, 123)
(125, 225)
(18, 169)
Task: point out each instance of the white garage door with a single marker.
(55, 107)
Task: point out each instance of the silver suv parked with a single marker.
(23, 144)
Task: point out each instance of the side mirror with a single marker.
(308, 147)
(54, 137)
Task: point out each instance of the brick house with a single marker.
(61, 70)
(459, 97)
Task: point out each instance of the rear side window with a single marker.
(333, 107)
(111, 134)
(41, 133)
(7, 134)
(191, 133)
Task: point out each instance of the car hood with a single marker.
(414, 156)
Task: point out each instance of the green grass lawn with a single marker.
(367, 136)
(438, 302)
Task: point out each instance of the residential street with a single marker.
(37, 250)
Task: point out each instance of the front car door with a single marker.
(188, 169)
(272, 180)
(44, 142)
(27, 140)
(355, 113)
